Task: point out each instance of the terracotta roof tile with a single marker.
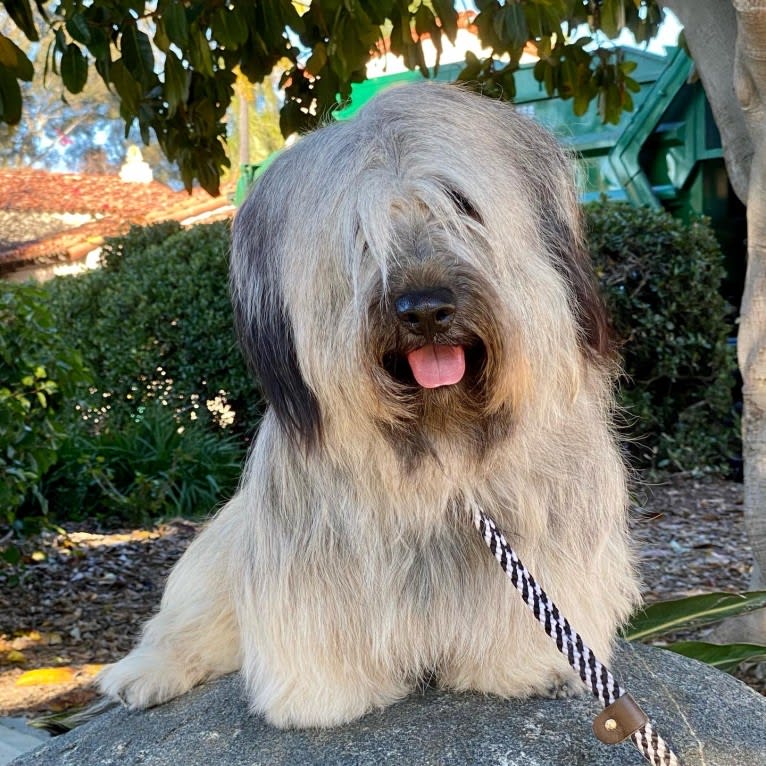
(115, 204)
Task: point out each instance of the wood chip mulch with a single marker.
(82, 597)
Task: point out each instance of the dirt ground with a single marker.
(82, 597)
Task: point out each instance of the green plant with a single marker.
(160, 328)
(138, 239)
(661, 280)
(40, 378)
(183, 98)
(153, 422)
(664, 618)
(155, 327)
(149, 467)
(158, 428)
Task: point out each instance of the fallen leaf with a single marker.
(15, 656)
(92, 669)
(46, 676)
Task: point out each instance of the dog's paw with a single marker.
(563, 687)
(143, 679)
(292, 703)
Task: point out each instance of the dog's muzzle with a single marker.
(428, 313)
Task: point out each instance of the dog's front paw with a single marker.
(144, 678)
(563, 687)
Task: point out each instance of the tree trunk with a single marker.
(727, 39)
(750, 82)
(710, 27)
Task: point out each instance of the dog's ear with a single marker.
(263, 326)
(269, 348)
(563, 238)
(592, 317)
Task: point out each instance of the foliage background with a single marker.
(662, 282)
(173, 65)
(129, 400)
(41, 378)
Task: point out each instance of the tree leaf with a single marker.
(628, 66)
(127, 88)
(12, 57)
(99, 45)
(612, 17)
(21, 13)
(10, 97)
(199, 52)
(445, 12)
(318, 59)
(177, 81)
(726, 657)
(176, 24)
(516, 30)
(632, 84)
(137, 55)
(60, 40)
(667, 616)
(161, 39)
(74, 68)
(78, 28)
(229, 28)
(46, 676)
(580, 104)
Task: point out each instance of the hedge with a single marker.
(128, 398)
(662, 282)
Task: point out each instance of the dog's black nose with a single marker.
(426, 312)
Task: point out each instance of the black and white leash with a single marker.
(622, 717)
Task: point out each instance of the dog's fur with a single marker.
(346, 570)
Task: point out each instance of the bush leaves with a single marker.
(666, 616)
(662, 280)
(725, 657)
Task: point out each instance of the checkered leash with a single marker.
(582, 659)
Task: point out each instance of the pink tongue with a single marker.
(435, 366)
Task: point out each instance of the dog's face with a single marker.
(437, 337)
(418, 269)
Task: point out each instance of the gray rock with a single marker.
(709, 717)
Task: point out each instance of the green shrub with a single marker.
(662, 281)
(156, 324)
(161, 429)
(148, 468)
(138, 239)
(40, 377)
(150, 433)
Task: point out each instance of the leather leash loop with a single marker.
(616, 722)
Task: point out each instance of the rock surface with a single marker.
(710, 718)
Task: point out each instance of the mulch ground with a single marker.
(82, 597)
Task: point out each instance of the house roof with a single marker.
(67, 215)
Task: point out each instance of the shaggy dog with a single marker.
(412, 291)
